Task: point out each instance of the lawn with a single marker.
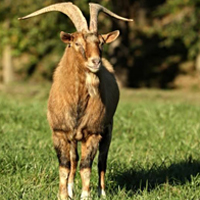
(154, 152)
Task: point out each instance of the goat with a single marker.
(83, 99)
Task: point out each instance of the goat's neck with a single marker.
(83, 79)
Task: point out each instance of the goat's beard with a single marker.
(92, 84)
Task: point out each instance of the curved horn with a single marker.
(94, 11)
(69, 9)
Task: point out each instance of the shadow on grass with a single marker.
(142, 179)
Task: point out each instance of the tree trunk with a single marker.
(198, 63)
(8, 75)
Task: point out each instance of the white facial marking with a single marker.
(92, 38)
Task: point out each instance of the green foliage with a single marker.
(35, 40)
(154, 152)
(149, 52)
(37, 37)
(180, 21)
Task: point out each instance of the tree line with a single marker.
(161, 45)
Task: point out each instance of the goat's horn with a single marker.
(94, 11)
(69, 9)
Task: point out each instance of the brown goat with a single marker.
(83, 99)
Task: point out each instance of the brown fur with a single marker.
(80, 99)
(80, 108)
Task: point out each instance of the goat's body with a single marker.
(72, 109)
(81, 108)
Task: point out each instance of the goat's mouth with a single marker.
(94, 68)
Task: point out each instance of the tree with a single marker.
(180, 20)
(164, 35)
(31, 42)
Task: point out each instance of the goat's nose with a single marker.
(96, 61)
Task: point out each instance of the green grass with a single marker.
(154, 152)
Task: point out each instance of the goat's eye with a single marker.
(77, 44)
(101, 45)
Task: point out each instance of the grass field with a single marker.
(154, 152)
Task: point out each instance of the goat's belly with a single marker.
(77, 126)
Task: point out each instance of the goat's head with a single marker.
(86, 42)
(88, 46)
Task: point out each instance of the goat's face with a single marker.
(88, 46)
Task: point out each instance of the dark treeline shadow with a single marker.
(141, 59)
(156, 66)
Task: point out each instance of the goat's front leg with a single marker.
(102, 159)
(62, 148)
(88, 152)
(73, 162)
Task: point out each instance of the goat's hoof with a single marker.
(85, 196)
(101, 193)
(63, 197)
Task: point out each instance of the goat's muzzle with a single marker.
(94, 64)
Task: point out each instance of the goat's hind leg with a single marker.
(62, 147)
(102, 159)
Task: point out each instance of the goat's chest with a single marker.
(91, 118)
(79, 110)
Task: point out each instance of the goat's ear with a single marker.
(110, 37)
(66, 37)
